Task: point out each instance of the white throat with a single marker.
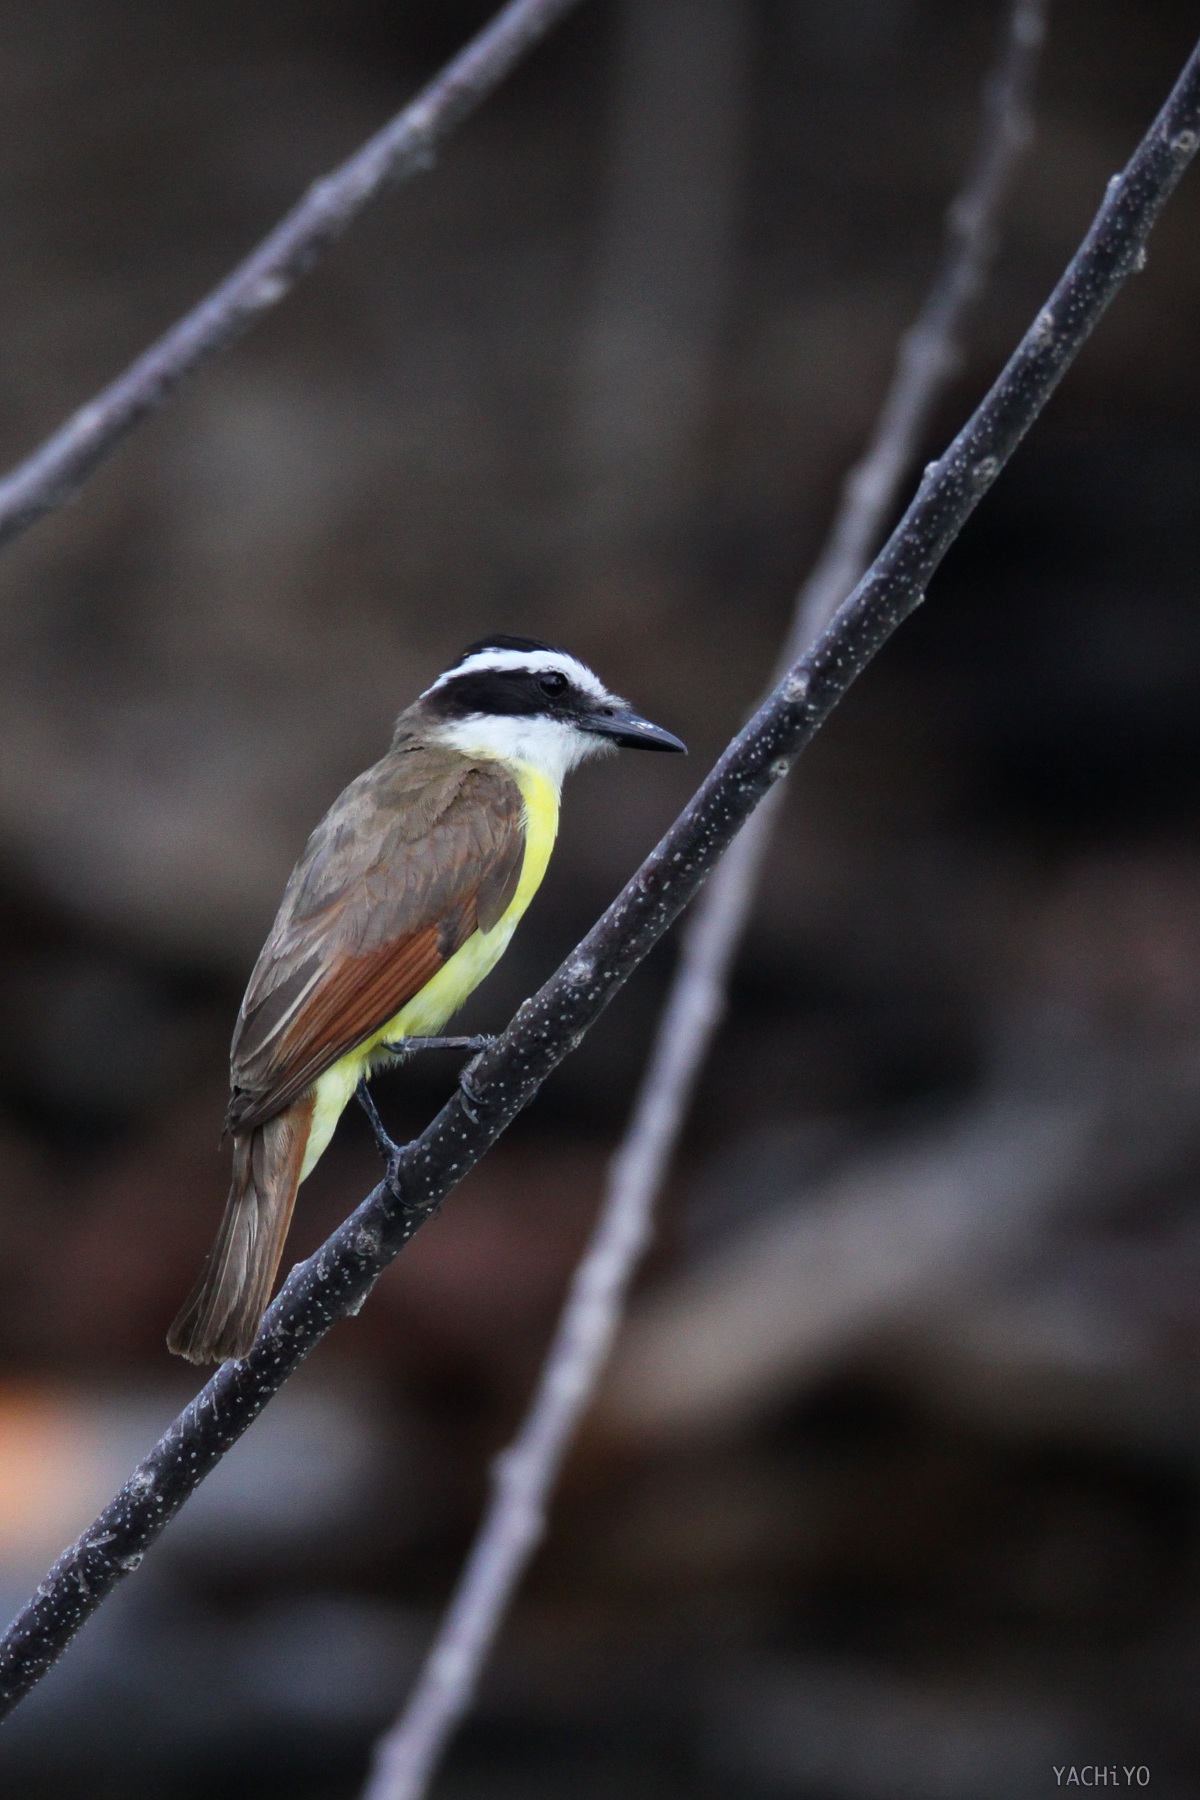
(549, 746)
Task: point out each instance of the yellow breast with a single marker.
(428, 1010)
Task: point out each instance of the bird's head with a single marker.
(518, 700)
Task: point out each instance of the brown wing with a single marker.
(414, 856)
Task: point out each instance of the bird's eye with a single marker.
(552, 683)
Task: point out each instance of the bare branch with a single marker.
(334, 1282)
(404, 147)
(525, 1474)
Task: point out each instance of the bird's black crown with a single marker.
(504, 641)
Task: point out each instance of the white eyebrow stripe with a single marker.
(532, 662)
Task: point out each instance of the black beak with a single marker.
(629, 729)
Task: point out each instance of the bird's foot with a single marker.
(475, 1046)
(388, 1148)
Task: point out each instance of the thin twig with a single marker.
(524, 1477)
(334, 1282)
(404, 147)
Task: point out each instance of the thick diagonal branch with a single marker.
(335, 1281)
(525, 1474)
(406, 145)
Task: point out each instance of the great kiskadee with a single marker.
(404, 899)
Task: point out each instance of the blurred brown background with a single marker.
(894, 1489)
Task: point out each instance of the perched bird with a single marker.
(404, 899)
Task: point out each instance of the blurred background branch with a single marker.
(524, 1475)
(942, 1208)
(53, 473)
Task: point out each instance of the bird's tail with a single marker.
(223, 1310)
